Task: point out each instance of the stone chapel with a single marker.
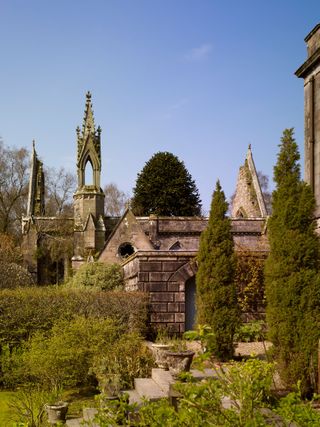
(157, 254)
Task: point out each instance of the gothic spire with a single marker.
(88, 121)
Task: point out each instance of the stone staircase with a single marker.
(158, 386)
(154, 388)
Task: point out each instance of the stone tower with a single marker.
(248, 201)
(310, 72)
(35, 205)
(89, 227)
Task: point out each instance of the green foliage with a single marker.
(64, 356)
(27, 406)
(250, 332)
(249, 281)
(27, 310)
(291, 271)
(126, 359)
(165, 187)
(98, 275)
(75, 352)
(216, 293)
(292, 409)
(246, 385)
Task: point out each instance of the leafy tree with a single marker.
(291, 272)
(165, 187)
(14, 166)
(115, 200)
(216, 293)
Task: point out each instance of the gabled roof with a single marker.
(128, 230)
(248, 201)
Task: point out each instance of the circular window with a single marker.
(125, 250)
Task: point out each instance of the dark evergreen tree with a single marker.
(291, 271)
(165, 187)
(216, 292)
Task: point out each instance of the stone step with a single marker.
(75, 422)
(162, 378)
(147, 388)
(206, 373)
(134, 397)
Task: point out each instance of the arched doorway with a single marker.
(190, 300)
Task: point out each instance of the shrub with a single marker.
(98, 275)
(13, 276)
(249, 281)
(250, 332)
(27, 310)
(75, 353)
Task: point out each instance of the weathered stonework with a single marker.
(248, 201)
(310, 72)
(158, 254)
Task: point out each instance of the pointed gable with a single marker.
(126, 238)
(248, 201)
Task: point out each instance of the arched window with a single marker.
(88, 173)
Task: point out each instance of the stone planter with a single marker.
(160, 354)
(57, 412)
(179, 361)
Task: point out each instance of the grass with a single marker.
(5, 397)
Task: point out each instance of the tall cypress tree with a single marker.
(291, 271)
(216, 292)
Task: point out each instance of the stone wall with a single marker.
(163, 276)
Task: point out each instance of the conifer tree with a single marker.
(216, 292)
(291, 271)
(165, 187)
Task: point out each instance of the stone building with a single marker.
(310, 72)
(157, 253)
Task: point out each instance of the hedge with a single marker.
(26, 310)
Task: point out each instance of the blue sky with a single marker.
(199, 78)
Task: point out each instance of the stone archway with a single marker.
(186, 277)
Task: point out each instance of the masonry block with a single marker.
(162, 317)
(157, 276)
(171, 265)
(173, 327)
(182, 308)
(175, 306)
(179, 297)
(151, 266)
(179, 317)
(143, 277)
(173, 287)
(160, 307)
(158, 287)
(161, 297)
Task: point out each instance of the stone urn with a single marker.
(179, 361)
(57, 412)
(160, 354)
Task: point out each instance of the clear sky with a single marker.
(199, 78)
